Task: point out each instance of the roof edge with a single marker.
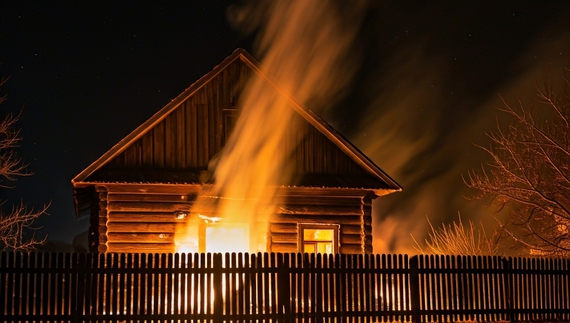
(326, 129)
(143, 187)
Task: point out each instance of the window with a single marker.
(224, 237)
(320, 238)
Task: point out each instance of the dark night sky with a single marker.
(88, 73)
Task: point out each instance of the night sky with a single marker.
(428, 77)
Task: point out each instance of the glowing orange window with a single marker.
(221, 236)
(319, 238)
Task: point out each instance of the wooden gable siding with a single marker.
(131, 220)
(191, 134)
(316, 154)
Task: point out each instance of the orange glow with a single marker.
(318, 240)
(217, 236)
(304, 51)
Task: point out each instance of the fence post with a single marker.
(508, 272)
(76, 276)
(218, 298)
(283, 286)
(415, 288)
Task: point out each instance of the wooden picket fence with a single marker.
(42, 287)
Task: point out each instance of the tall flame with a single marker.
(304, 49)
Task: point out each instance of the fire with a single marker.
(207, 230)
(304, 50)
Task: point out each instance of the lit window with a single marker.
(228, 238)
(319, 238)
(224, 237)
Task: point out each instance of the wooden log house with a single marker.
(141, 189)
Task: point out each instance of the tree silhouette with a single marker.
(528, 175)
(15, 223)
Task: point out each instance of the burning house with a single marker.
(156, 191)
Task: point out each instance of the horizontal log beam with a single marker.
(292, 202)
(323, 200)
(351, 229)
(351, 249)
(319, 191)
(350, 239)
(284, 238)
(122, 237)
(150, 197)
(319, 210)
(296, 218)
(284, 247)
(283, 228)
(145, 188)
(142, 217)
(147, 207)
(132, 227)
(141, 247)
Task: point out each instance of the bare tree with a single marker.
(528, 175)
(456, 239)
(15, 223)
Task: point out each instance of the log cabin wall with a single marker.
(140, 218)
(352, 214)
(143, 220)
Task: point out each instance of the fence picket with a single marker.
(264, 283)
(280, 287)
(76, 279)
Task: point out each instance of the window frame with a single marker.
(318, 226)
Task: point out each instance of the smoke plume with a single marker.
(432, 97)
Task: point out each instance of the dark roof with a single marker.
(370, 177)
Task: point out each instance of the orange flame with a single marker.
(304, 47)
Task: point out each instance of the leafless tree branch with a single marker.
(17, 231)
(529, 172)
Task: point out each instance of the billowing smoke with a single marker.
(432, 98)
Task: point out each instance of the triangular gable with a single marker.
(132, 146)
